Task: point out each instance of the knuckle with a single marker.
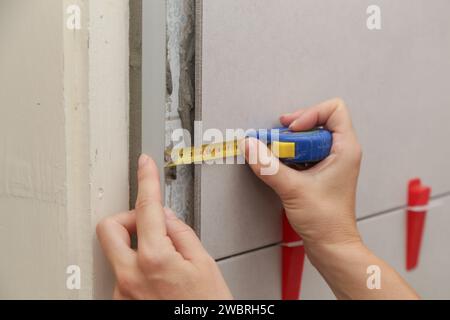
(208, 261)
(357, 154)
(182, 229)
(125, 283)
(142, 174)
(287, 192)
(152, 260)
(359, 151)
(103, 225)
(289, 188)
(339, 102)
(147, 175)
(143, 202)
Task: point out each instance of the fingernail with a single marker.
(292, 125)
(285, 115)
(143, 160)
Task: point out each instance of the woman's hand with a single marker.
(319, 202)
(320, 205)
(170, 262)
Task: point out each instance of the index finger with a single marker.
(332, 114)
(150, 217)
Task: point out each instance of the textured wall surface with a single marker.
(180, 101)
(63, 143)
(33, 194)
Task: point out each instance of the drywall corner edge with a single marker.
(154, 81)
(198, 109)
(135, 149)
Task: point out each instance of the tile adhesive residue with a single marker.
(179, 182)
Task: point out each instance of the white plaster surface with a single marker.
(33, 193)
(108, 115)
(63, 143)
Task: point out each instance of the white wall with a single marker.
(63, 142)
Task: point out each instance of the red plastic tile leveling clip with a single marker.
(418, 198)
(293, 256)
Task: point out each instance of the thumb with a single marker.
(267, 167)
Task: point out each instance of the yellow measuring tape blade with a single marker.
(216, 151)
(207, 152)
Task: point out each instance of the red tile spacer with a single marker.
(293, 256)
(418, 198)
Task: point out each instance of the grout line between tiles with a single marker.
(436, 197)
(249, 251)
(384, 212)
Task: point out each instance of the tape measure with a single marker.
(289, 146)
